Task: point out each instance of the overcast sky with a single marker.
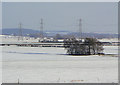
(96, 16)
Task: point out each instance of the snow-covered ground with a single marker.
(108, 40)
(51, 65)
(110, 49)
(15, 39)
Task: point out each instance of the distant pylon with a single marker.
(41, 28)
(80, 29)
(20, 32)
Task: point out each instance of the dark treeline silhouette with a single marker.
(89, 46)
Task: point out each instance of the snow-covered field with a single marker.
(110, 49)
(51, 65)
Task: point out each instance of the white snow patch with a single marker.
(51, 65)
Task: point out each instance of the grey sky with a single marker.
(96, 16)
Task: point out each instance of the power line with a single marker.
(41, 28)
(80, 29)
(20, 32)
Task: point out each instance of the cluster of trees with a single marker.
(90, 46)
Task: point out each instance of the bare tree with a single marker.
(90, 46)
(94, 46)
